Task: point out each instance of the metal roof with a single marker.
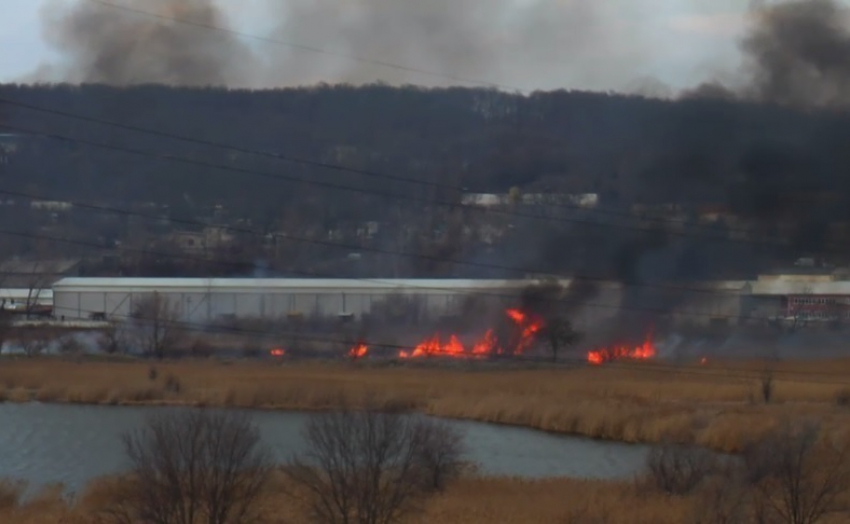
(82, 284)
(791, 287)
(24, 293)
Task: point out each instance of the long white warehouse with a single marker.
(206, 300)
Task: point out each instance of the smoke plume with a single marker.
(514, 44)
(103, 44)
(518, 45)
(800, 54)
(797, 53)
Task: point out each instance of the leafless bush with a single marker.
(11, 493)
(372, 468)
(723, 499)
(71, 346)
(842, 398)
(805, 476)
(34, 344)
(156, 322)
(172, 384)
(153, 374)
(193, 466)
(251, 350)
(114, 339)
(441, 454)
(766, 385)
(679, 469)
(201, 349)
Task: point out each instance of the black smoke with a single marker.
(798, 54)
(115, 43)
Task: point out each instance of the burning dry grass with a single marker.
(717, 405)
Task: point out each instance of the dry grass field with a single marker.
(471, 500)
(468, 501)
(719, 405)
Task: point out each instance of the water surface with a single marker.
(72, 444)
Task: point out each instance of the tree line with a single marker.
(782, 170)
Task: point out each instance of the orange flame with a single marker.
(612, 353)
(358, 351)
(277, 352)
(486, 346)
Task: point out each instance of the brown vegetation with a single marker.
(371, 467)
(796, 475)
(471, 500)
(718, 405)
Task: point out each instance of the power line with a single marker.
(95, 245)
(335, 186)
(384, 176)
(338, 245)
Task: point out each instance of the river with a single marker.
(72, 444)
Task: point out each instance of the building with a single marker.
(24, 300)
(202, 300)
(207, 300)
(799, 299)
(204, 241)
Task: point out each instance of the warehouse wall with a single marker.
(202, 307)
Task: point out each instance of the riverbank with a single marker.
(469, 500)
(717, 405)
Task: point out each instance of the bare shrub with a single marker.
(11, 493)
(193, 466)
(251, 351)
(679, 469)
(370, 467)
(766, 385)
(34, 344)
(441, 454)
(6, 326)
(172, 384)
(114, 339)
(201, 349)
(806, 475)
(153, 374)
(842, 398)
(723, 499)
(156, 322)
(71, 346)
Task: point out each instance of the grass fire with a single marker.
(644, 351)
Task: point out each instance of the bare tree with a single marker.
(6, 326)
(193, 466)
(114, 338)
(766, 384)
(441, 455)
(34, 343)
(801, 475)
(559, 332)
(156, 321)
(723, 500)
(680, 469)
(372, 468)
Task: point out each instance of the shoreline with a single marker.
(470, 499)
(629, 405)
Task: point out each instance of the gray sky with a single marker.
(683, 41)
